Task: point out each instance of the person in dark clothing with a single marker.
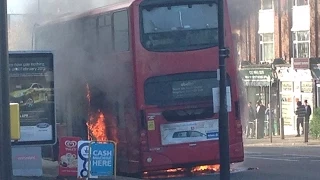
(261, 109)
(301, 113)
(308, 114)
(308, 110)
(250, 124)
(270, 117)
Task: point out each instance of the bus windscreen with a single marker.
(180, 27)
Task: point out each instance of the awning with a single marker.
(257, 76)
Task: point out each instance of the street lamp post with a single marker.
(271, 119)
(5, 137)
(306, 130)
(223, 113)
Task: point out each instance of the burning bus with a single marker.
(141, 73)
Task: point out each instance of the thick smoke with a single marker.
(240, 11)
(78, 60)
(25, 15)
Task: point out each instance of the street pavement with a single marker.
(276, 163)
(280, 163)
(277, 141)
(289, 159)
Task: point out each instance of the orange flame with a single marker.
(206, 168)
(174, 170)
(97, 128)
(181, 172)
(96, 123)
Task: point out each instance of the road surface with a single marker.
(276, 163)
(265, 163)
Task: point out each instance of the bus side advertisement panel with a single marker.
(188, 132)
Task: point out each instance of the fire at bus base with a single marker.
(96, 122)
(149, 71)
(97, 127)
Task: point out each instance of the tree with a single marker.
(315, 124)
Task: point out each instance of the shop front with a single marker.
(258, 81)
(315, 70)
(295, 84)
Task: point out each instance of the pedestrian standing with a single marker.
(308, 114)
(250, 130)
(261, 109)
(270, 119)
(301, 113)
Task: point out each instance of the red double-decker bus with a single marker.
(150, 67)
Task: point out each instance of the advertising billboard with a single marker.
(68, 162)
(32, 86)
(189, 132)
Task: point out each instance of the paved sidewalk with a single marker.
(277, 141)
(50, 172)
(50, 169)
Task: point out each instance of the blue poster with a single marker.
(102, 159)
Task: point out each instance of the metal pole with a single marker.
(282, 127)
(281, 120)
(5, 137)
(306, 130)
(278, 107)
(223, 113)
(270, 113)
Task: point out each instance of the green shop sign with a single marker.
(256, 77)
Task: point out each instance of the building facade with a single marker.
(277, 29)
(285, 30)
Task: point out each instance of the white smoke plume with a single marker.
(24, 15)
(24, 19)
(239, 12)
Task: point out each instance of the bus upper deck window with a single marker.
(180, 27)
(121, 31)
